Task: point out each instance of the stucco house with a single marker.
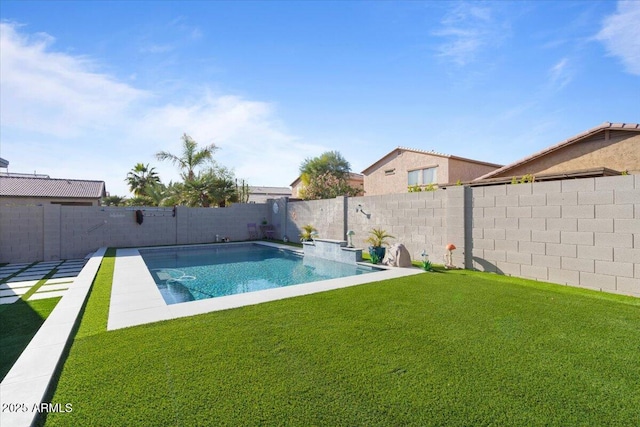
(404, 167)
(355, 180)
(25, 189)
(608, 149)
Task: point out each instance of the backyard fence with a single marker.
(579, 232)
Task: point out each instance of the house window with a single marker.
(422, 176)
(414, 177)
(429, 176)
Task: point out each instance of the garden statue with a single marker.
(448, 256)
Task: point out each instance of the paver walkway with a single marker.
(18, 279)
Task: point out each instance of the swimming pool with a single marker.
(185, 274)
(136, 299)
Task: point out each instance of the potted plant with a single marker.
(308, 233)
(377, 238)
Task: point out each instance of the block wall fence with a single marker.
(51, 232)
(578, 232)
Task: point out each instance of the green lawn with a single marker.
(19, 322)
(449, 348)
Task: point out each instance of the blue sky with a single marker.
(89, 89)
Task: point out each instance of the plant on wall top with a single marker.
(525, 179)
(307, 231)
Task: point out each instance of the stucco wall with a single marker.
(617, 150)
(467, 171)
(377, 182)
(449, 170)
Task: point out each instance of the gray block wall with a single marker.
(21, 234)
(578, 232)
(327, 216)
(583, 232)
(421, 221)
(48, 232)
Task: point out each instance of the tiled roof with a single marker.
(352, 175)
(286, 191)
(21, 186)
(605, 126)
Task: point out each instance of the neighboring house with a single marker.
(261, 194)
(25, 189)
(608, 149)
(406, 167)
(355, 180)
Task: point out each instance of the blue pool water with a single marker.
(194, 273)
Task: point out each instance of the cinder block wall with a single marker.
(417, 220)
(327, 216)
(201, 225)
(37, 233)
(580, 232)
(84, 229)
(21, 234)
(583, 232)
(423, 221)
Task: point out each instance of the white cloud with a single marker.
(54, 93)
(560, 74)
(251, 139)
(62, 116)
(620, 34)
(468, 29)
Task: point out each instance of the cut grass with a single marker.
(98, 302)
(19, 322)
(454, 348)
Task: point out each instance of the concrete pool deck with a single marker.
(136, 300)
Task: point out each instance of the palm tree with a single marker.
(113, 201)
(157, 193)
(191, 156)
(140, 178)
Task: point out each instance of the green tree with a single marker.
(327, 186)
(113, 201)
(214, 187)
(143, 200)
(140, 178)
(191, 157)
(158, 195)
(330, 162)
(174, 194)
(326, 176)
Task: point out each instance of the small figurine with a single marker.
(448, 256)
